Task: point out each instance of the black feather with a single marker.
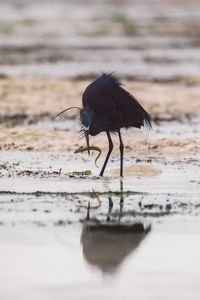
(112, 106)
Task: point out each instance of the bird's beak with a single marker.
(87, 140)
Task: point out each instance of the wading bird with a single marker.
(108, 107)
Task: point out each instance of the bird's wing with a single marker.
(129, 111)
(106, 97)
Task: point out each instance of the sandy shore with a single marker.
(32, 138)
(25, 101)
(38, 97)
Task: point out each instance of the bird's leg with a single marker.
(121, 148)
(88, 212)
(108, 154)
(110, 208)
(121, 199)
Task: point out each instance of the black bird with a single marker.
(108, 107)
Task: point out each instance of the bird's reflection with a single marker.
(106, 244)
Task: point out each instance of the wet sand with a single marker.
(29, 106)
(28, 98)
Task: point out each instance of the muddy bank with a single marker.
(32, 138)
(26, 104)
(28, 99)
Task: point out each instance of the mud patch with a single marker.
(32, 138)
(36, 99)
(137, 170)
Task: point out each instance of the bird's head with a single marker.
(86, 119)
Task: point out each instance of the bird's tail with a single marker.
(147, 120)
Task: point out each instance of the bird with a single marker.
(108, 107)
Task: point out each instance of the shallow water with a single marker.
(66, 262)
(47, 172)
(86, 237)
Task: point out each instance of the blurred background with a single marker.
(139, 39)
